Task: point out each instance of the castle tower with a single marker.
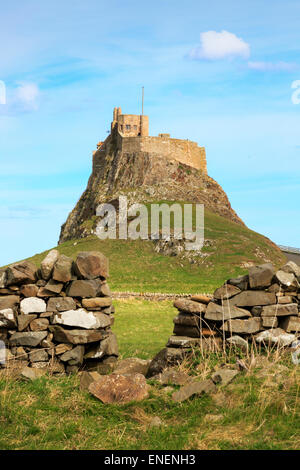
(130, 125)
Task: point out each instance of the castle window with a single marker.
(128, 127)
(135, 127)
(121, 127)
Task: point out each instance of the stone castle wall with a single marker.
(131, 134)
(184, 151)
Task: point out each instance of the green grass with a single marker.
(136, 267)
(254, 412)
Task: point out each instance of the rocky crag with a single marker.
(143, 177)
(59, 317)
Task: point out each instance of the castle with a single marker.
(131, 134)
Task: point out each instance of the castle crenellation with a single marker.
(132, 136)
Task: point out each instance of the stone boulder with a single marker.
(32, 338)
(91, 264)
(61, 304)
(189, 306)
(74, 357)
(21, 273)
(275, 336)
(132, 365)
(7, 318)
(62, 270)
(253, 298)
(165, 358)
(107, 347)
(76, 336)
(96, 303)
(224, 312)
(224, 376)
(280, 310)
(118, 388)
(206, 344)
(226, 292)
(242, 282)
(48, 263)
(29, 290)
(287, 280)
(194, 388)
(291, 324)
(261, 276)
(249, 326)
(293, 268)
(88, 377)
(203, 299)
(238, 342)
(84, 288)
(3, 278)
(9, 301)
(79, 318)
(32, 305)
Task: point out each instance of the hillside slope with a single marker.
(135, 266)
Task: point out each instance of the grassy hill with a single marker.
(136, 267)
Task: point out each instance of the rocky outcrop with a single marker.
(143, 177)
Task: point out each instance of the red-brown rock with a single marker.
(118, 388)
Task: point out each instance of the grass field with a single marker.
(259, 410)
(136, 267)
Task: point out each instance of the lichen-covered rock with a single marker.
(61, 304)
(31, 338)
(275, 336)
(118, 388)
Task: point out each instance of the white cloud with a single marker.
(27, 94)
(273, 66)
(215, 46)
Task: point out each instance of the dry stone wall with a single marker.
(59, 316)
(262, 306)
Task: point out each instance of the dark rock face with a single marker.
(153, 178)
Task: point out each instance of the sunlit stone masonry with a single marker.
(58, 317)
(262, 308)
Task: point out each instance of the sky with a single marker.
(225, 74)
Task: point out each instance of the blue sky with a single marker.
(219, 73)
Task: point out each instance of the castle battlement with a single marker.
(132, 136)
